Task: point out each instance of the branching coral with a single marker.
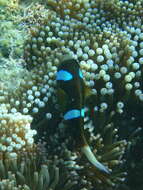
(12, 37)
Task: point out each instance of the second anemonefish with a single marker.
(71, 96)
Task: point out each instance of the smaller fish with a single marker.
(71, 96)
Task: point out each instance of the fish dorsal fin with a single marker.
(62, 99)
(66, 57)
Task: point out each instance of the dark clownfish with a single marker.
(71, 96)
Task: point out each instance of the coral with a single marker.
(11, 40)
(13, 4)
(12, 33)
(106, 37)
(33, 14)
(11, 74)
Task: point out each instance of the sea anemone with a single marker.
(106, 38)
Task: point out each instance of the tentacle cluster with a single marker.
(107, 41)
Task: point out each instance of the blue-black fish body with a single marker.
(71, 95)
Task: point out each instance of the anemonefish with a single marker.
(71, 96)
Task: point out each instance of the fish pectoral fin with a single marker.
(88, 92)
(62, 99)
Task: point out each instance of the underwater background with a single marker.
(37, 148)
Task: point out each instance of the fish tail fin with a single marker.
(92, 159)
